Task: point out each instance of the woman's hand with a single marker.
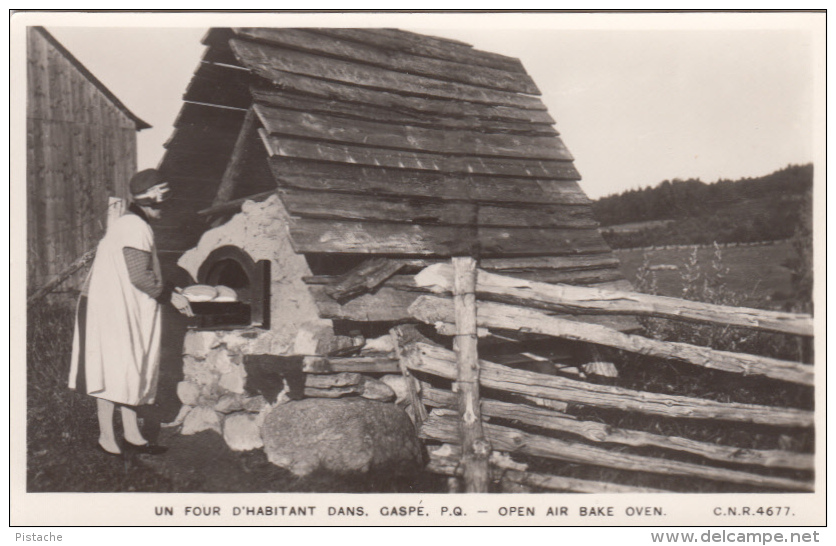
(181, 303)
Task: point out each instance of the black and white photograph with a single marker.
(418, 269)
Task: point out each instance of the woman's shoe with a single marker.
(108, 452)
(145, 449)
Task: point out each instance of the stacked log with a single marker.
(347, 384)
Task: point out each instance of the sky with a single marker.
(635, 104)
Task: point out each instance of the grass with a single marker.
(757, 275)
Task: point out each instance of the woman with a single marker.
(116, 344)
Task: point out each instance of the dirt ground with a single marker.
(203, 463)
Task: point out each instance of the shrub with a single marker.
(707, 283)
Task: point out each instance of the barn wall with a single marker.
(81, 149)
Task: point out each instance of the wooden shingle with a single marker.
(386, 142)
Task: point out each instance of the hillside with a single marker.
(771, 207)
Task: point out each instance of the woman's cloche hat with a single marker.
(148, 188)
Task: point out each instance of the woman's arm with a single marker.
(141, 272)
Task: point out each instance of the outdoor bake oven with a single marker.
(246, 305)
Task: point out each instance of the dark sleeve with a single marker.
(141, 273)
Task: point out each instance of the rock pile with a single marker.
(213, 393)
(216, 395)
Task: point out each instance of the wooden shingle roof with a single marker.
(381, 141)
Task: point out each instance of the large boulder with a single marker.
(351, 435)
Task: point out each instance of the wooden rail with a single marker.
(445, 459)
(443, 427)
(519, 305)
(438, 361)
(583, 300)
(432, 309)
(352, 364)
(601, 433)
(83, 260)
(365, 277)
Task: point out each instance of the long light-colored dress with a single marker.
(123, 328)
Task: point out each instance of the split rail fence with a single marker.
(477, 439)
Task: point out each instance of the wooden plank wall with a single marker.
(81, 149)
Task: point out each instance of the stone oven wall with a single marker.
(260, 229)
(212, 391)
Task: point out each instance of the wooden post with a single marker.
(475, 449)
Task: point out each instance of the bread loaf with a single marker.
(200, 292)
(225, 293)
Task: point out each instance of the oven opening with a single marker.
(233, 268)
(232, 274)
